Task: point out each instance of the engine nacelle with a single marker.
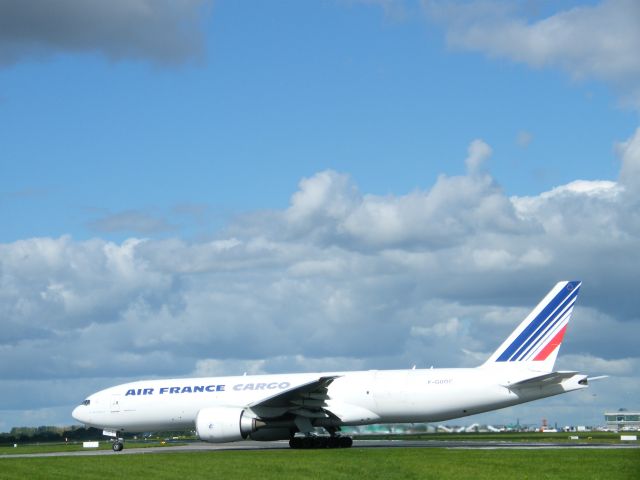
(223, 424)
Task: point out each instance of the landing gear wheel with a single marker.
(345, 442)
(117, 446)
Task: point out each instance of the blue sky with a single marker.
(160, 161)
(278, 92)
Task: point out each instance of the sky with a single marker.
(194, 188)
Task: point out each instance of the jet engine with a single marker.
(224, 424)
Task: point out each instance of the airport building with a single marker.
(622, 420)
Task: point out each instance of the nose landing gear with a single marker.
(118, 445)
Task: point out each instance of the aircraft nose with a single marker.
(79, 413)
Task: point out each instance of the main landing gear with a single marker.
(311, 441)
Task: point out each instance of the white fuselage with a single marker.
(356, 398)
(269, 407)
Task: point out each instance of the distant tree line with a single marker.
(49, 434)
(75, 433)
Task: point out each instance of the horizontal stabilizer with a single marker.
(543, 380)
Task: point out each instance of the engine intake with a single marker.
(224, 424)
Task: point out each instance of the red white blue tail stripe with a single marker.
(541, 333)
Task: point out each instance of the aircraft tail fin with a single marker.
(536, 341)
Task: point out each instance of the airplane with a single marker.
(279, 406)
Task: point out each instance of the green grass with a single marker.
(370, 463)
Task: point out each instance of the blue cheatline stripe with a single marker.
(538, 336)
(553, 316)
(526, 333)
(558, 318)
(543, 337)
(568, 290)
(546, 336)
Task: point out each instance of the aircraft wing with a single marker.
(306, 400)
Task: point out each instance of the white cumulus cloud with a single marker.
(339, 280)
(598, 41)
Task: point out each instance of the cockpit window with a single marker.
(86, 402)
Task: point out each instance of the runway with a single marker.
(283, 445)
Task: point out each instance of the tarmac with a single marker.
(284, 445)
